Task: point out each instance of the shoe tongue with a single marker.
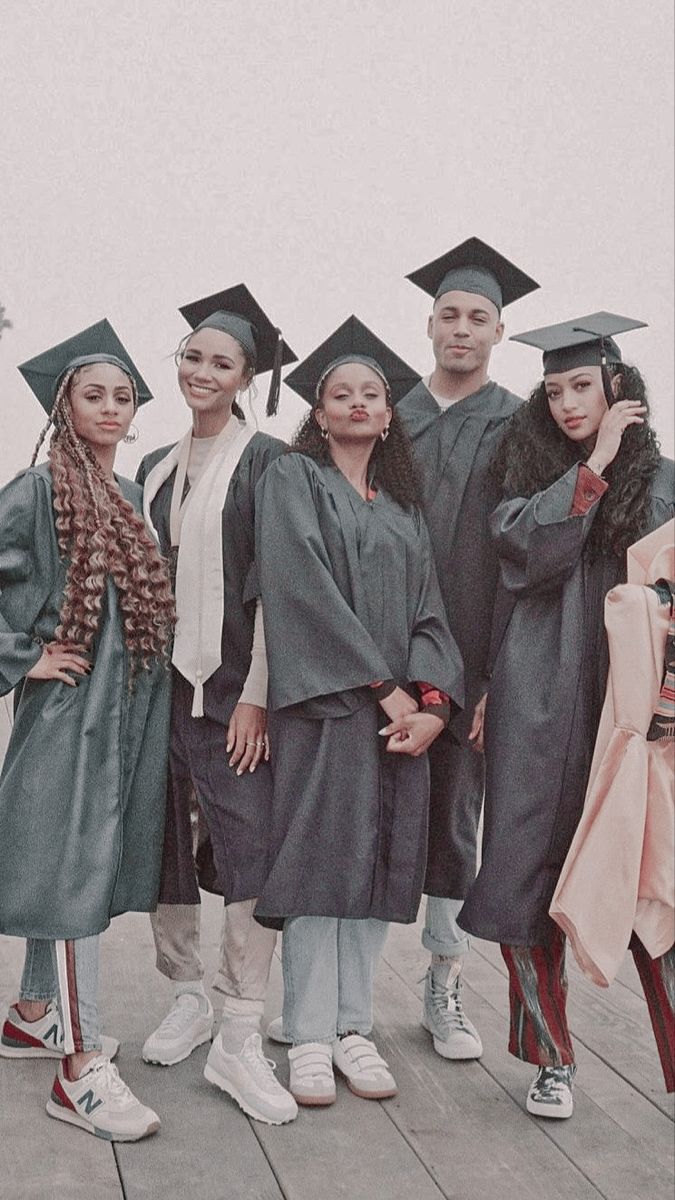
(93, 1064)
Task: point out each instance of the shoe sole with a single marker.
(171, 1062)
(71, 1118)
(314, 1101)
(225, 1086)
(555, 1113)
(382, 1094)
(110, 1051)
(441, 1048)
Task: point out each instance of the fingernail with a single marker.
(382, 733)
(240, 772)
(228, 748)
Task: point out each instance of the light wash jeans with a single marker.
(246, 951)
(329, 965)
(441, 933)
(67, 971)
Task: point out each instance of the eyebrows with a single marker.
(451, 310)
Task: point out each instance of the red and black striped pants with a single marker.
(539, 1032)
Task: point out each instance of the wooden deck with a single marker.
(456, 1130)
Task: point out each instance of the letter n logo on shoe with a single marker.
(90, 1104)
(52, 1035)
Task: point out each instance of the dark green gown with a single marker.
(453, 449)
(546, 695)
(83, 786)
(350, 597)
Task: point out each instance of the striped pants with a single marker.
(539, 1032)
(69, 972)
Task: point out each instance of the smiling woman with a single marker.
(86, 618)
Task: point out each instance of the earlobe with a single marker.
(615, 383)
(499, 332)
(430, 326)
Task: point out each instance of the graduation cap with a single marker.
(475, 267)
(237, 312)
(585, 342)
(97, 344)
(352, 342)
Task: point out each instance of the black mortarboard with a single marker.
(352, 342)
(235, 311)
(584, 342)
(475, 267)
(97, 343)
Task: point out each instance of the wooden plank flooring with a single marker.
(457, 1131)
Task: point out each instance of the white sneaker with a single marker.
(42, 1038)
(312, 1080)
(185, 1026)
(366, 1072)
(550, 1094)
(248, 1077)
(443, 1016)
(275, 1032)
(100, 1102)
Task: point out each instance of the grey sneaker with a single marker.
(443, 1016)
(550, 1094)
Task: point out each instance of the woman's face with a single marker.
(211, 371)
(101, 403)
(577, 403)
(353, 405)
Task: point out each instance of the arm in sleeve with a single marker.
(316, 645)
(540, 540)
(434, 656)
(24, 585)
(254, 690)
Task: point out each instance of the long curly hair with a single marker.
(100, 534)
(534, 452)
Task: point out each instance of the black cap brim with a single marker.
(240, 303)
(43, 372)
(352, 337)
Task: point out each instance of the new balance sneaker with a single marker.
(443, 1016)
(550, 1094)
(186, 1025)
(248, 1077)
(101, 1103)
(312, 1080)
(366, 1072)
(275, 1032)
(42, 1038)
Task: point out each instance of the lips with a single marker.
(109, 425)
(574, 422)
(358, 416)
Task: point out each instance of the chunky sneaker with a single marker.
(366, 1072)
(550, 1094)
(248, 1077)
(42, 1038)
(185, 1026)
(275, 1032)
(100, 1102)
(312, 1080)
(443, 1016)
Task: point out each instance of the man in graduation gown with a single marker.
(456, 417)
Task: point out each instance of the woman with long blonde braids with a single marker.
(86, 620)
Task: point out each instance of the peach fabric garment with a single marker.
(619, 873)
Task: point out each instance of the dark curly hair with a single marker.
(391, 462)
(534, 452)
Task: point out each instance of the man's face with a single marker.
(463, 328)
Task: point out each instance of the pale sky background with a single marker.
(156, 152)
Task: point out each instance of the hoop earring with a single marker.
(131, 436)
(385, 434)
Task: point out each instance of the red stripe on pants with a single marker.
(538, 1030)
(657, 976)
(71, 998)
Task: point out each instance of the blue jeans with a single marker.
(329, 965)
(442, 934)
(69, 972)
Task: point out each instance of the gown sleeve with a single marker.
(539, 540)
(316, 645)
(434, 656)
(24, 578)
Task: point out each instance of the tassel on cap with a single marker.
(275, 381)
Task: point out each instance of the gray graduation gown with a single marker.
(453, 449)
(546, 695)
(350, 597)
(232, 851)
(82, 790)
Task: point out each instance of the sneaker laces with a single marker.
(446, 1000)
(552, 1082)
(178, 1016)
(108, 1079)
(262, 1068)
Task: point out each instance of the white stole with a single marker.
(196, 529)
